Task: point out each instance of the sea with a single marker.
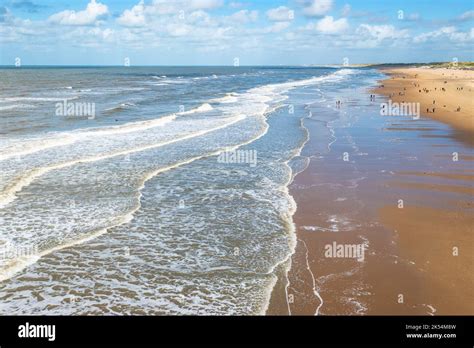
(152, 190)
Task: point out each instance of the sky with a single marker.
(228, 32)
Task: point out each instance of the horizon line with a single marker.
(227, 66)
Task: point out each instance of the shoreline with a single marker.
(278, 303)
(413, 244)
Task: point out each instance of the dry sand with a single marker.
(440, 92)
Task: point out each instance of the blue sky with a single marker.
(216, 32)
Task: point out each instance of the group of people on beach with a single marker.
(426, 90)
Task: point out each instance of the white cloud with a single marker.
(204, 4)
(328, 25)
(133, 17)
(371, 36)
(281, 13)
(90, 15)
(244, 16)
(467, 15)
(163, 7)
(199, 17)
(167, 7)
(94, 36)
(192, 26)
(462, 37)
(271, 29)
(178, 29)
(142, 14)
(316, 8)
(381, 32)
(13, 29)
(449, 33)
(277, 27)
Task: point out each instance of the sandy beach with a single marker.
(406, 195)
(445, 95)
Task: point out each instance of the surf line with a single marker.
(297, 153)
(79, 134)
(128, 217)
(140, 125)
(37, 145)
(9, 194)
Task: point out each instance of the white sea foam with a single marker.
(37, 99)
(16, 106)
(8, 195)
(202, 108)
(228, 98)
(34, 145)
(174, 82)
(31, 146)
(121, 106)
(16, 265)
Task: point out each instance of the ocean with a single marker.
(152, 190)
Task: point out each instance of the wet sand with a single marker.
(402, 194)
